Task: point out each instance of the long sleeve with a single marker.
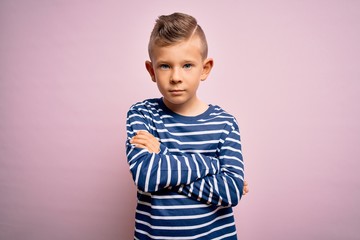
(195, 178)
(152, 172)
(224, 188)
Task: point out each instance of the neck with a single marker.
(189, 109)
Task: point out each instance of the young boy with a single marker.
(184, 155)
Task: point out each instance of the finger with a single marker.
(143, 132)
(146, 134)
(140, 141)
(151, 146)
(146, 138)
(137, 145)
(245, 192)
(150, 149)
(143, 138)
(245, 188)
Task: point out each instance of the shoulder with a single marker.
(146, 106)
(149, 108)
(219, 113)
(147, 103)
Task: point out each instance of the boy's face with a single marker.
(177, 70)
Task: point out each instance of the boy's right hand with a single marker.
(144, 139)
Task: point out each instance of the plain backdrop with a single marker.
(288, 70)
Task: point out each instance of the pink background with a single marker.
(69, 70)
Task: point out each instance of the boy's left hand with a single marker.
(245, 188)
(144, 139)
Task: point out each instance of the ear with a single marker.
(150, 70)
(207, 66)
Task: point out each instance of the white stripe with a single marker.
(187, 237)
(225, 170)
(165, 116)
(227, 190)
(168, 172)
(148, 111)
(176, 150)
(225, 236)
(184, 227)
(134, 115)
(148, 174)
(188, 170)
(230, 157)
(207, 168)
(190, 190)
(138, 173)
(158, 173)
(131, 149)
(217, 190)
(179, 217)
(190, 143)
(209, 119)
(236, 132)
(191, 206)
(232, 149)
(226, 166)
(178, 170)
(195, 124)
(160, 196)
(196, 166)
(233, 140)
(210, 192)
(136, 155)
(201, 189)
(198, 133)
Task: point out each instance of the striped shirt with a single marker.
(187, 190)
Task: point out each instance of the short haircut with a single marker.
(175, 28)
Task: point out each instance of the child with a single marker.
(184, 155)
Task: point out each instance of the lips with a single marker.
(176, 90)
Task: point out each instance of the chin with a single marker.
(176, 101)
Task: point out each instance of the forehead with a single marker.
(187, 49)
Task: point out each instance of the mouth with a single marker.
(176, 92)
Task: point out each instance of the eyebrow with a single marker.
(182, 61)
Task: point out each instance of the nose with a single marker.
(175, 76)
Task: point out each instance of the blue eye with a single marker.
(187, 66)
(164, 66)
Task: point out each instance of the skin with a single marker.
(177, 70)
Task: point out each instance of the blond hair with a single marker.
(175, 28)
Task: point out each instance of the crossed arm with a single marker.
(145, 140)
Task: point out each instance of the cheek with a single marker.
(161, 86)
(194, 86)
(162, 76)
